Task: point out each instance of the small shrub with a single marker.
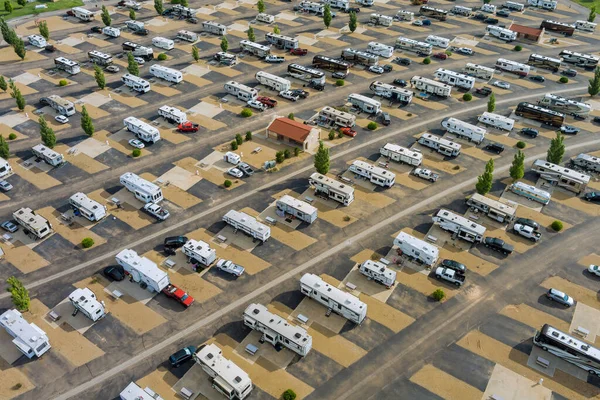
(467, 97)
(63, 82)
(456, 167)
(346, 218)
(291, 116)
(563, 79)
(427, 61)
(248, 136)
(409, 115)
(372, 126)
(136, 152)
(557, 226)
(374, 256)
(234, 145)
(448, 53)
(438, 295)
(246, 112)
(340, 135)
(518, 48)
(289, 395)
(521, 144)
(279, 157)
(239, 139)
(287, 153)
(227, 183)
(331, 134)
(340, 82)
(296, 151)
(162, 57)
(17, 386)
(12, 136)
(87, 242)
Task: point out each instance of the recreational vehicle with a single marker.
(187, 36)
(277, 330)
(587, 162)
(172, 115)
(376, 175)
(364, 103)
(282, 42)
(224, 58)
(297, 208)
(99, 58)
(332, 189)
(142, 270)
(85, 302)
(146, 53)
(488, 8)
(111, 31)
(33, 223)
(183, 11)
(331, 116)
(513, 67)
(306, 74)
(455, 79)
(464, 129)
(312, 7)
(537, 113)
(463, 227)
(549, 5)
(266, 18)
(403, 15)
(214, 27)
(29, 338)
(438, 41)
(432, 12)
(144, 191)
(49, 156)
(460, 10)
(166, 73)
(494, 209)
(415, 46)
(199, 252)
(391, 92)
(383, 20)
(142, 130)
(569, 179)
(430, 86)
(247, 224)
(5, 168)
(82, 14)
(378, 272)
(60, 105)
(501, 33)
(417, 249)
(560, 27)
(479, 71)
(330, 64)
(136, 26)
(401, 154)
(273, 82)
(497, 121)
(163, 43)
(340, 4)
(585, 26)
(360, 57)
(530, 192)
(69, 66)
(574, 57)
(380, 49)
(539, 61)
(337, 300)
(136, 83)
(514, 6)
(441, 145)
(567, 106)
(241, 91)
(87, 207)
(256, 49)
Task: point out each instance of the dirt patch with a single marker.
(81, 160)
(473, 263)
(23, 258)
(127, 213)
(10, 378)
(74, 233)
(423, 284)
(589, 259)
(507, 384)
(533, 317)
(33, 175)
(174, 194)
(128, 100)
(334, 346)
(444, 385)
(160, 381)
(576, 202)
(386, 315)
(167, 91)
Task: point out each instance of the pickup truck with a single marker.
(449, 275)
(178, 294)
(274, 59)
(348, 131)
(230, 267)
(485, 91)
(187, 126)
(425, 174)
(156, 211)
(527, 232)
(298, 52)
(498, 245)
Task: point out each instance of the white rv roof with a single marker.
(172, 111)
(85, 299)
(505, 208)
(212, 356)
(429, 81)
(570, 173)
(346, 299)
(140, 182)
(441, 140)
(376, 171)
(60, 101)
(338, 113)
(297, 204)
(158, 67)
(134, 78)
(427, 248)
(248, 221)
(460, 220)
(456, 74)
(364, 99)
(585, 157)
(379, 268)
(144, 265)
(282, 37)
(332, 183)
(34, 221)
(27, 335)
(66, 61)
(272, 77)
(531, 189)
(134, 392)
(85, 202)
(497, 117)
(403, 150)
(255, 45)
(99, 54)
(293, 333)
(464, 124)
(202, 249)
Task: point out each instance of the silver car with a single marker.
(560, 297)
(501, 85)
(5, 186)
(235, 172)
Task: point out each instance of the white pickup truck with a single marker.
(425, 174)
(449, 275)
(156, 211)
(230, 267)
(527, 232)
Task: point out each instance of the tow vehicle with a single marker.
(498, 245)
(450, 275)
(267, 101)
(425, 174)
(274, 59)
(230, 267)
(348, 131)
(188, 126)
(485, 91)
(178, 294)
(527, 232)
(156, 211)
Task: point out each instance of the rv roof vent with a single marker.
(297, 335)
(256, 311)
(209, 356)
(34, 339)
(237, 379)
(271, 320)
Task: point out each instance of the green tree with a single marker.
(251, 35)
(132, 65)
(224, 44)
(19, 294)
(99, 76)
(327, 15)
(485, 180)
(353, 24)
(276, 30)
(4, 151)
(87, 242)
(6, 31)
(260, 6)
(291, 116)
(517, 169)
(556, 151)
(86, 122)
(594, 86)
(158, 6)
(15, 93)
(44, 31)
(47, 134)
(592, 15)
(105, 16)
(491, 106)
(19, 48)
(239, 139)
(289, 395)
(8, 7)
(195, 53)
(22, 3)
(248, 136)
(322, 159)
(279, 157)
(234, 145)
(132, 14)
(3, 84)
(184, 3)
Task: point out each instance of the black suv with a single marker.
(454, 265)
(175, 242)
(537, 78)
(528, 222)
(403, 61)
(530, 132)
(485, 91)
(495, 147)
(498, 245)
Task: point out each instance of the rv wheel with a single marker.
(438, 276)
(544, 348)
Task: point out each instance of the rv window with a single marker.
(269, 337)
(324, 298)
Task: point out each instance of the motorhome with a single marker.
(441, 145)
(560, 27)
(488, 8)
(415, 46)
(438, 41)
(187, 36)
(391, 92)
(146, 53)
(33, 223)
(549, 5)
(60, 105)
(49, 156)
(5, 168)
(567, 106)
(403, 15)
(360, 57)
(501, 33)
(172, 114)
(266, 18)
(199, 252)
(306, 74)
(430, 86)
(224, 58)
(136, 83)
(417, 249)
(87, 207)
(513, 67)
(330, 116)
(136, 26)
(332, 189)
(247, 224)
(376, 175)
(364, 103)
(455, 79)
(256, 49)
(29, 338)
(297, 208)
(99, 58)
(585, 26)
(312, 7)
(497, 121)
(337, 300)
(569, 179)
(82, 14)
(530, 192)
(142, 130)
(227, 378)
(401, 154)
(277, 330)
(378, 272)
(85, 302)
(143, 190)
(539, 61)
(273, 82)
(479, 71)
(494, 209)
(380, 49)
(166, 73)
(587, 162)
(37, 41)
(214, 27)
(241, 91)
(339, 4)
(383, 20)
(282, 42)
(464, 129)
(573, 57)
(461, 10)
(111, 31)
(432, 12)
(330, 64)
(537, 113)
(514, 6)
(142, 270)
(183, 11)
(163, 43)
(463, 227)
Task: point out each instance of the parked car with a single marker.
(400, 82)
(245, 168)
(593, 197)
(527, 232)
(388, 68)
(479, 16)
(113, 69)
(136, 143)
(230, 267)
(570, 72)
(188, 126)
(454, 265)
(485, 91)
(192, 20)
(175, 241)
(559, 297)
(348, 131)
(537, 78)
(426, 22)
(353, 9)
(303, 94)
(339, 75)
(182, 356)
(257, 105)
(596, 120)
(50, 48)
(449, 275)
(299, 52)
(139, 60)
(385, 119)
(426, 174)
(465, 50)
(491, 21)
(156, 211)
(9, 226)
(267, 101)
(498, 245)
(594, 269)
(274, 59)
(235, 172)
(569, 130)
(495, 147)
(5, 186)
(528, 222)
(501, 85)
(440, 56)
(178, 294)
(376, 69)
(62, 119)
(114, 272)
(403, 60)
(531, 132)
(287, 94)
(96, 29)
(503, 13)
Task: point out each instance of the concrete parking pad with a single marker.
(26, 78)
(473, 263)
(335, 346)
(92, 147)
(10, 378)
(544, 220)
(80, 160)
(182, 178)
(282, 231)
(316, 312)
(125, 98)
(8, 351)
(589, 259)
(365, 286)
(588, 318)
(575, 202)
(34, 175)
(127, 213)
(579, 293)
(280, 358)
(444, 385)
(173, 193)
(78, 322)
(12, 119)
(161, 381)
(386, 315)
(97, 98)
(118, 141)
(509, 385)
(74, 232)
(533, 317)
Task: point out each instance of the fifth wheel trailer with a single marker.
(142, 130)
(241, 91)
(33, 223)
(69, 66)
(391, 92)
(29, 338)
(455, 78)
(401, 154)
(376, 175)
(60, 105)
(247, 224)
(172, 115)
(87, 207)
(494, 209)
(462, 227)
(464, 129)
(199, 252)
(497, 121)
(143, 270)
(166, 73)
(142, 189)
(417, 249)
(378, 272)
(297, 208)
(273, 81)
(443, 146)
(364, 103)
(85, 302)
(567, 178)
(430, 86)
(332, 189)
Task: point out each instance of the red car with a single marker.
(299, 52)
(188, 126)
(348, 131)
(267, 101)
(441, 56)
(178, 294)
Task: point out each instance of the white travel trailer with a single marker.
(309, 6)
(143, 190)
(85, 302)
(501, 33)
(136, 83)
(494, 209)
(33, 223)
(256, 49)
(588, 162)
(463, 227)
(266, 18)
(111, 31)
(438, 41)
(136, 26)
(331, 116)
(512, 67)
(403, 15)
(49, 156)
(566, 106)
(391, 92)
(273, 82)
(488, 8)
(514, 6)
(135, 392)
(306, 74)
(376, 175)
(28, 337)
(99, 58)
(574, 57)
(69, 66)
(247, 224)
(232, 158)
(282, 42)
(464, 129)
(479, 71)
(380, 49)
(383, 20)
(142, 270)
(340, 4)
(241, 91)
(585, 26)
(415, 46)
(145, 53)
(549, 5)
(364, 103)
(187, 36)
(5, 168)
(172, 114)
(360, 57)
(569, 179)
(417, 249)
(60, 105)
(332, 189)
(497, 121)
(227, 378)
(530, 192)
(87, 207)
(166, 73)
(460, 10)
(378, 272)
(163, 43)
(214, 27)
(540, 61)
(298, 208)
(183, 11)
(37, 41)
(276, 330)
(430, 86)
(401, 154)
(338, 301)
(443, 146)
(82, 14)
(199, 252)
(455, 79)
(142, 130)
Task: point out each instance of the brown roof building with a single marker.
(294, 133)
(527, 32)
